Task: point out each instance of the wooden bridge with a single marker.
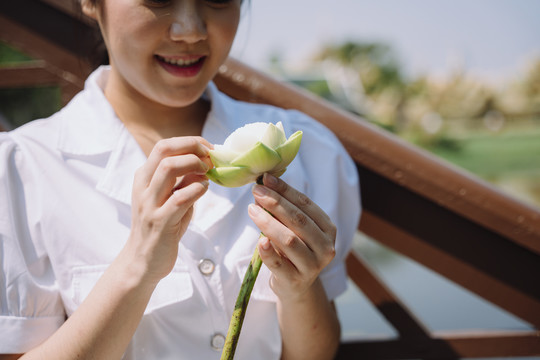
(441, 217)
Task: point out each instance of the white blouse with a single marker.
(65, 195)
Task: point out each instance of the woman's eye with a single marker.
(219, 2)
(157, 2)
(165, 2)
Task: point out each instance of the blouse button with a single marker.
(206, 267)
(217, 342)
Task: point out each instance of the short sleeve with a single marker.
(333, 184)
(30, 304)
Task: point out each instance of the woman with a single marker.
(106, 254)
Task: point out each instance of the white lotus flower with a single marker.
(251, 151)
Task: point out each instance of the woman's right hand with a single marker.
(164, 191)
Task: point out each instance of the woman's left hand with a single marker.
(299, 238)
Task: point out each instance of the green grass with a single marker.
(25, 104)
(9, 55)
(510, 160)
(488, 155)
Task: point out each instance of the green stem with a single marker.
(240, 308)
(233, 334)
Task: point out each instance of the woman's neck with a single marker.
(149, 121)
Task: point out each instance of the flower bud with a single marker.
(251, 151)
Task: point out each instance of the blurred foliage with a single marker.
(371, 83)
(319, 87)
(489, 130)
(376, 64)
(9, 55)
(20, 105)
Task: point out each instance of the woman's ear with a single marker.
(89, 9)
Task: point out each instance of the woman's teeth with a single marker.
(180, 62)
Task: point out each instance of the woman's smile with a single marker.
(187, 66)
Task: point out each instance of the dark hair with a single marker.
(99, 54)
(95, 52)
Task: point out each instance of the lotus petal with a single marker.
(289, 149)
(232, 176)
(279, 125)
(274, 136)
(222, 156)
(243, 139)
(260, 158)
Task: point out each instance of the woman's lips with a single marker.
(182, 66)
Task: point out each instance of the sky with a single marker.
(494, 39)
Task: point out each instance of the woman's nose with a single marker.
(188, 24)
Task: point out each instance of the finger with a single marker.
(204, 142)
(169, 169)
(287, 213)
(188, 179)
(195, 145)
(296, 220)
(303, 202)
(184, 222)
(283, 239)
(182, 199)
(278, 265)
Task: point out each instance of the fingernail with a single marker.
(260, 190)
(270, 179)
(265, 243)
(254, 210)
(205, 183)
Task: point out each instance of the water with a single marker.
(440, 304)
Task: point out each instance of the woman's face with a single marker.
(166, 50)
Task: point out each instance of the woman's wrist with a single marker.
(300, 296)
(134, 271)
(309, 324)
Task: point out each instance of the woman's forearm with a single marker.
(102, 327)
(309, 326)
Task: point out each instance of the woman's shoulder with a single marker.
(31, 137)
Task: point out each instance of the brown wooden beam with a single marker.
(56, 23)
(38, 73)
(2, 128)
(388, 304)
(474, 257)
(524, 304)
(29, 74)
(46, 33)
(72, 8)
(453, 346)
